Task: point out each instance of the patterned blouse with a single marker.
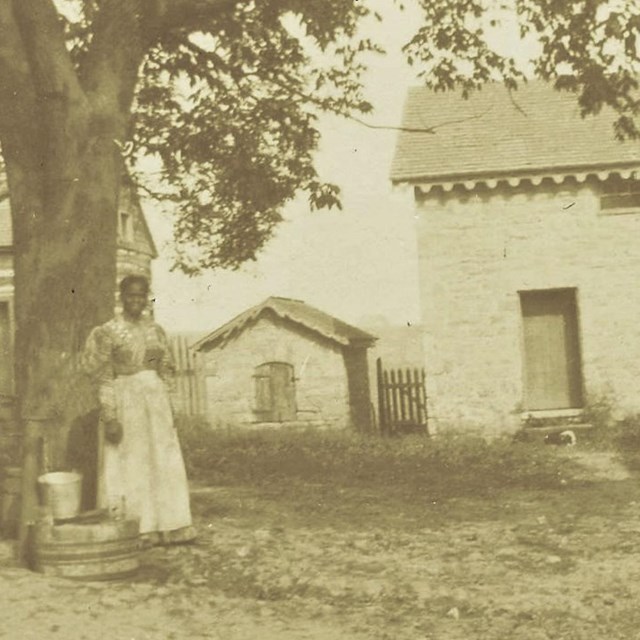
(121, 347)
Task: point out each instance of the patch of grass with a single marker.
(451, 464)
(619, 436)
(625, 437)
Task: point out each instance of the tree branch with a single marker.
(17, 96)
(44, 41)
(109, 71)
(21, 132)
(179, 15)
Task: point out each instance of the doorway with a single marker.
(552, 360)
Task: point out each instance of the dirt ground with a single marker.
(307, 562)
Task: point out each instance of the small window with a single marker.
(126, 226)
(275, 392)
(620, 197)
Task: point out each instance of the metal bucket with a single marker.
(61, 493)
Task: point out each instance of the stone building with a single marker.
(283, 362)
(528, 219)
(136, 250)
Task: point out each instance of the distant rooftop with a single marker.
(294, 311)
(129, 201)
(535, 129)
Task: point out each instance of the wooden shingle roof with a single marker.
(294, 311)
(535, 130)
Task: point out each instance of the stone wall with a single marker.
(227, 371)
(477, 250)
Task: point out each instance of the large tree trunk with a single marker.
(59, 130)
(65, 253)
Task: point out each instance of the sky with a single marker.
(359, 264)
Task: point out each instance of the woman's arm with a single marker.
(167, 367)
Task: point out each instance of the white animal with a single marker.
(567, 438)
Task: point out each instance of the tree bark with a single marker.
(64, 257)
(60, 138)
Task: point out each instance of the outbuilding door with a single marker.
(275, 392)
(552, 363)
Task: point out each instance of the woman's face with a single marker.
(134, 299)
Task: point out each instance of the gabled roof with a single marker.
(297, 312)
(534, 130)
(130, 201)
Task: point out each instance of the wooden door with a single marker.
(552, 367)
(283, 392)
(275, 392)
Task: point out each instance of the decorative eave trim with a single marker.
(469, 183)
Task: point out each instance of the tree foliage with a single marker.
(588, 47)
(228, 92)
(229, 105)
(228, 99)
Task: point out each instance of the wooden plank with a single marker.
(553, 378)
(402, 392)
(420, 412)
(31, 468)
(387, 399)
(546, 367)
(425, 406)
(394, 402)
(381, 396)
(283, 392)
(412, 398)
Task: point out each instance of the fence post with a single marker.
(382, 423)
(33, 450)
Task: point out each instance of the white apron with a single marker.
(144, 475)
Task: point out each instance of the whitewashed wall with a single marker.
(321, 379)
(477, 252)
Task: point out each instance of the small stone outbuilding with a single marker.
(284, 362)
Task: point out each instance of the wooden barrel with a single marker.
(10, 502)
(105, 550)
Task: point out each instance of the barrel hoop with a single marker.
(70, 544)
(58, 561)
(85, 554)
(91, 572)
(100, 577)
(87, 532)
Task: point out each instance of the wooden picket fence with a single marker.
(402, 400)
(187, 385)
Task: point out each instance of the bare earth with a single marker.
(310, 562)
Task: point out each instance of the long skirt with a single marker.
(144, 476)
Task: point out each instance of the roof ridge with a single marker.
(301, 313)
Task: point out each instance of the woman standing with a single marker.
(142, 472)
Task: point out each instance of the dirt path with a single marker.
(307, 563)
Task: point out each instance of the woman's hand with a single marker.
(113, 431)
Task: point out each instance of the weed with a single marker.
(451, 464)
